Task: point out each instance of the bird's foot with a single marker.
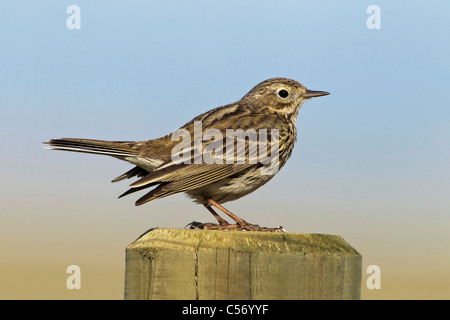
(232, 227)
(255, 227)
(213, 226)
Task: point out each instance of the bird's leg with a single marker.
(238, 220)
(222, 221)
(223, 224)
(241, 222)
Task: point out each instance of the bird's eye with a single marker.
(283, 93)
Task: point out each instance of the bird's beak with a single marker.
(312, 94)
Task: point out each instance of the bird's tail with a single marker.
(119, 149)
(124, 150)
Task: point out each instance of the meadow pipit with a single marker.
(223, 154)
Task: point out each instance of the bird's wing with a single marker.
(226, 158)
(135, 172)
(195, 176)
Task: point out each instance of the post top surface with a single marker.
(280, 242)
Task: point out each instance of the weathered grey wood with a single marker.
(201, 264)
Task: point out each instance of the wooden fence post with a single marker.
(203, 264)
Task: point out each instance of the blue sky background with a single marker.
(371, 163)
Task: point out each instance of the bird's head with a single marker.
(281, 95)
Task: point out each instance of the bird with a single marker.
(220, 156)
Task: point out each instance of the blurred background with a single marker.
(371, 163)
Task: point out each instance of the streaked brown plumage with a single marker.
(272, 104)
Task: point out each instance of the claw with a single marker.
(197, 225)
(213, 226)
(231, 227)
